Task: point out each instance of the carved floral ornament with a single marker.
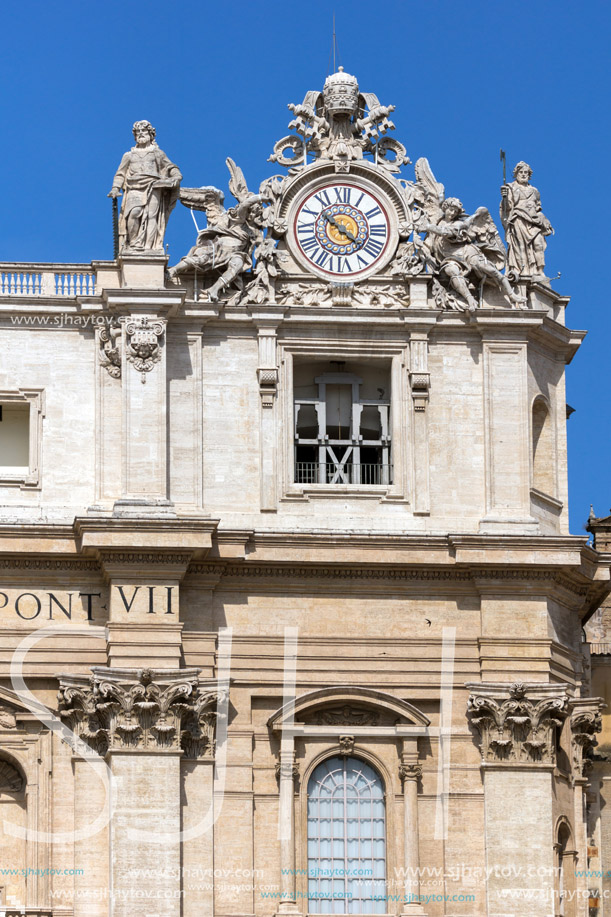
(137, 711)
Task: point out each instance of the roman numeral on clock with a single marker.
(323, 198)
(373, 248)
(379, 230)
(309, 245)
(343, 195)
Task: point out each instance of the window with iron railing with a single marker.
(341, 436)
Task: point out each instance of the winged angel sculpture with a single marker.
(459, 248)
(230, 238)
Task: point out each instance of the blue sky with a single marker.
(466, 79)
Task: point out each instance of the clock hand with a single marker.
(343, 229)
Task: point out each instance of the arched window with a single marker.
(543, 448)
(346, 839)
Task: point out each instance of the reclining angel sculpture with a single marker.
(459, 247)
(228, 240)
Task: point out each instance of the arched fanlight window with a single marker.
(346, 839)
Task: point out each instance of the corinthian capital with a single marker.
(119, 709)
(518, 722)
(585, 721)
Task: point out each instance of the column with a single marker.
(410, 772)
(517, 724)
(287, 772)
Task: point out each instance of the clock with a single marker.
(342, 230)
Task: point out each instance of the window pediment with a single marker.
(348, 705)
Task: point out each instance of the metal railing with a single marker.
(331, 473)
(36, 280)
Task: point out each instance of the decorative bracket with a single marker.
(420, 384)
(267, 371)
(346, 745)
(341, 293)
(268, 386)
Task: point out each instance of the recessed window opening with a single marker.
(14, 438)
(342, 423)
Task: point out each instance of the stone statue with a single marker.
(229, 238)
(458, 247)
(525, 225)
(150, 185)
(340, 123)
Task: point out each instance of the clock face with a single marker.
(342, 230)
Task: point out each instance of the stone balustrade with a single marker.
(36, 280)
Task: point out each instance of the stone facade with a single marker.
(269, 525)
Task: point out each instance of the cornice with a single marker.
(391, 574)
(566, 566)
(191, 536)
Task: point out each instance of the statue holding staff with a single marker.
(150, 184)
(525, 225)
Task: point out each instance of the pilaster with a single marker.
(506, 429)
(132, 351)
(518, 725)
(420, 381)
(267, 376)
(144, 720)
